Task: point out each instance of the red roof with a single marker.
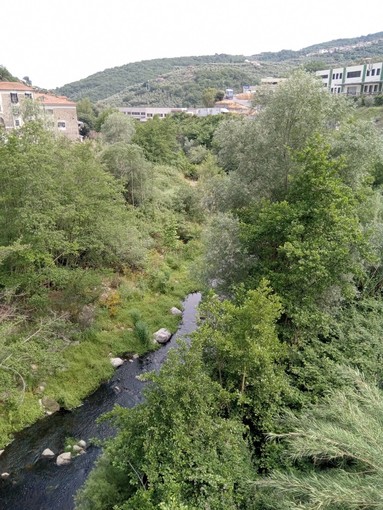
(14, 85)
(50, 100)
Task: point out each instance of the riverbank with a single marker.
(122, 320)
(40, 481)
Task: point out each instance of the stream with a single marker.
(38, 484)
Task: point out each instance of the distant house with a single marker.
(60, 113)
(58, 110)
(353, 80)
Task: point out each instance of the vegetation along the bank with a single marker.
(267, 409)
(96, 243)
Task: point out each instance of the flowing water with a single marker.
(38, 484)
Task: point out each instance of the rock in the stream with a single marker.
(162, 336)
(82, 444)
(64, 459)
(4, 476)
(175, 311)
(47, 454)
(116, 362)
(76, 448)
(1, 452)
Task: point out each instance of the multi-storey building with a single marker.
(58, 111)
(353, 80)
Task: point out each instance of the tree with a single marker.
(209, 97)
(312, 242)
(242, 352)
(118, 127)
(158, 139)
(260, 151)
(337, 450)
(175, 450)
(128, 164)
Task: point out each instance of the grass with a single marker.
(123, 324)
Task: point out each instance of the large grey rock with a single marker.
(47, 454)
(50, 405)
(162, 336)
(64, 459)
(175, 311)
(116, 362)
(82, 443)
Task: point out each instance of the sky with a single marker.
(56, 42)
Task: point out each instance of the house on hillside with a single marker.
(58, 110)
(353, 80)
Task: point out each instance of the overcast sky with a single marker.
(56, 42)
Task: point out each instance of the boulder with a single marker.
(47, 454)
(64, 458)
(82, 444)
(4, 476)
(76, 448)
(50, 405)
(1, 452)
(175, 311)
(162, 336)
(116, 362)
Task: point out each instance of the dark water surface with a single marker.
(38, 484)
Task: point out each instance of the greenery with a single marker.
(183, 81)
(293, 250)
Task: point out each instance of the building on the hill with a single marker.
(59, 112)
(353, 80)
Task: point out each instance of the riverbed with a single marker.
(38, 484)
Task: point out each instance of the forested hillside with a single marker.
(181, 81)
(275, 404)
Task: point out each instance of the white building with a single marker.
(353, 80)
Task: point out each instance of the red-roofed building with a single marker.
(59, 112)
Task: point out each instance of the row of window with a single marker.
(337, 76)
(373, 72)
(15, 97)
(370, 88)
(143, 114)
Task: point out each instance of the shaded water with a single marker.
(38, 484)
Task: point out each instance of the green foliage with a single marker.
(128, 164)
(160, 457)
(117, 127)
(340, 442)
(158, 140)
(310, 243)
(242, 352)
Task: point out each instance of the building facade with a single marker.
(59, 113)
(354, 80)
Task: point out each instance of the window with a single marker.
(375, 88)
(354, 74)
(17, 122)
(378, 71)
(332, 90)
(28, 95)
(14, 98)
(366, 88)
(149, 115)
(373, 72)
(61, 124)
(341, 76)
(324, 76)
(368, 72)
(333, 76)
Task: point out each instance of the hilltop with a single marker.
(180, 81)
